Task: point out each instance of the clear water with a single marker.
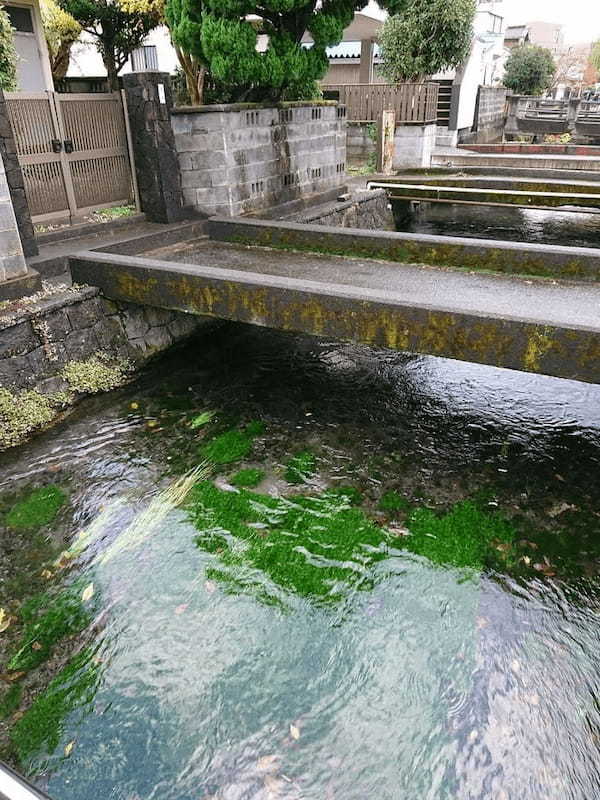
(563, 228)
(427, 682)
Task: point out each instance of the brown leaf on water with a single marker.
(294, 732)
(5, 620)
(87, 593)
(69, 748)
(268, 763)
(482, 622)
(36, 646)
(560, 508)
(181, 609)
(13, 677)
(210, 586)
(46, 574)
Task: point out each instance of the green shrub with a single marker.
(8, 54)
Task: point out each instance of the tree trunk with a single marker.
(109, 59)
(194, 76)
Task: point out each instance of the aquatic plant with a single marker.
(74, 687)
(38, 508)
(301, 467)
(232, 445)
(317, 547)
(464, 537)
(393, 501)
(203, 419)
(46, 621)
(248, 478)
(10, 700)
(99, 373)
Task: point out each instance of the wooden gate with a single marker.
(74, 151)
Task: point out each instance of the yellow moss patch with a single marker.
(23, 412)
(96, 374)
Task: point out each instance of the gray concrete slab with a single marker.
(537, 326)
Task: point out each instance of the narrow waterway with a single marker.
(552, 226)
(382, 581)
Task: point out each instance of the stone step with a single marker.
(512, 161)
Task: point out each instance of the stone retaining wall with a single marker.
(56, 347)
(368, 210)
(245, 157)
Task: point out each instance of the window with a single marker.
(144, 58)
(20, 18)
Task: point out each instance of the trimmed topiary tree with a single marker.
(529, 70)
(423, 37)
(255, 52)
(8, 54)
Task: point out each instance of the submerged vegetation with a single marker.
(232, 445)
(38, 508)
(301, 467)
(24, 412)
(96, 374)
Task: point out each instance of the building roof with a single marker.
(516, 32)
(349, 50)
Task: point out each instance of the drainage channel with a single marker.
(14, 787)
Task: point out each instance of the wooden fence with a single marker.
(365, 102)
(74, 151)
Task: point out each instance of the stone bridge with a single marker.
(498, 303)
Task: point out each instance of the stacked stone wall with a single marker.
(368, 210)
(240, 158)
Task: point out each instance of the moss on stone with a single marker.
(99, 373)
(21, 413)
(46, 621)
(248, 478)
(232, 445)
(42, 724)
(38, 508)
(10, 700)
(393, 501)
(301, 467)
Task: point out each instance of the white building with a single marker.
(33, 65)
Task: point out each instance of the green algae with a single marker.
(232, 445)
(321, 548)
(393, 501)
(248, 478)
(10, 700)
(42, 724)
(47, 620)
(464, 537)
(39, 508)
(301, 467)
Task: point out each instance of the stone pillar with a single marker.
(367, 49)
(413, 146)
(149, 103)
(12, 260)
(14, 176)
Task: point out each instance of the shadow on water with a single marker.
(553, 226)
(388, 588)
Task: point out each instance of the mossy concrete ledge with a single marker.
(513, 258)
(60, 344)
(534, 326)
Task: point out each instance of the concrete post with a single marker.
(366, 61)
(12, 260)
(16, 185)
(149, 103)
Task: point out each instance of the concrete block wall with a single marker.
(489, 120)
(359, 145)
(239, 158)
(414, 145)
(12, 260)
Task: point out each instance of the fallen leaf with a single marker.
(482, 622)
(134, 406)
(4, 620)
(87, 593)
(202, 419)
(54, 468)
(152, 423)
(13, 677)
(47, 574)
(526, 560)
(268, 763)
(294, 732)
(36, 646)
(560, 508)
(181, 609)
(69, 748)
(210, 586)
